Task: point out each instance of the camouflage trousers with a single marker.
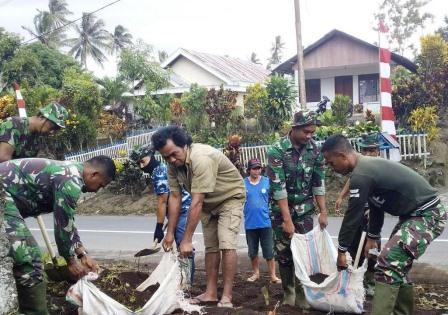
(24, 249)
(409, 240)
(282, 243)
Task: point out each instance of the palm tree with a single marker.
(276, 52)
(59, 12)
(113, 89)
(91, 41)
(163, 55)
(120, 39)
(44, 30)
(254, 59)
(46, 23)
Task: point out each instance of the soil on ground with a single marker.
(119, 281)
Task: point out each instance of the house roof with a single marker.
(231, 70)
(286, 67)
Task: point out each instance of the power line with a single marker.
(71, 22)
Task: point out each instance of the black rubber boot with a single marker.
(405, 300)
(33, 300)
(384, 299)
(288, 284)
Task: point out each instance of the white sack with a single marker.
(343, 291)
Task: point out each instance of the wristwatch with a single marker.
(81, 254)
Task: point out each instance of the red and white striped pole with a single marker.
(20, 100)
(387, 113)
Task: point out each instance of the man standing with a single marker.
(369, 146)
(297, 180)
(257, 222)
(396, 189)
(145, 159)
(36, 186)
(19, 137)
(218, 195)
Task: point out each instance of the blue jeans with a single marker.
(179, 235)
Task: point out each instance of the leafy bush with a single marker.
(129, 180)
(340, 108)
(281, 98)
(425, 119)
(8, 107)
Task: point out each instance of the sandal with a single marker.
(225, 304)
(197, 301)
(253, 278)
(276, 281)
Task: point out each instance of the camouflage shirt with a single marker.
(160, 183)
(41, 186)
(15, 132)
(295, 174)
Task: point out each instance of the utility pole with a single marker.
(301, 72)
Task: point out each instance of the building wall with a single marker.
(193, 73)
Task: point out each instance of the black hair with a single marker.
(105, 163)
(178, 135)
(337, 143)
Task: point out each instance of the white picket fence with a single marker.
(120, 150)
(412, 146)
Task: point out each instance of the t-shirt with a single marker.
(388, 187)
(207, 171)
(256, 208)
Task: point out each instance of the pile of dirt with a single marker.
(318, 278)
(249, 298)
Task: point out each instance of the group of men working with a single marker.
(200, 183)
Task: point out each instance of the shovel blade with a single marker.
(147, 252)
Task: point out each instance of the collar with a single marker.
(288, 144)
(188, 159)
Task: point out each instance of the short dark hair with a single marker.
(105, 164)
(178, 135)
(337, 143)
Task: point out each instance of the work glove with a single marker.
(158, 233)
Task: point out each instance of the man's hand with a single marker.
(370, 244)
(337, 206)
(341, 262)
(90, 263)
(323, 220)
(167, 243)
(288, 228)
(185, 248)
(76, 269)
(158, 233)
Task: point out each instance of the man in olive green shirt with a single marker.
(218, 195)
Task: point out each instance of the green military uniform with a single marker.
(295, 174)
(393, 188)
(366, 142)
(15, 130)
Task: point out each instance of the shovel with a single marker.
(56, 269)
(149, 251)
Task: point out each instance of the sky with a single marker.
(232, 27)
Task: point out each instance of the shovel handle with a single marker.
(360, 248)
(41, 223)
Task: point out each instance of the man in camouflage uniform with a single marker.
(144, 157)
(369, 146)
(396, 189)
(36, 186)
(19, 136)
(296, 174)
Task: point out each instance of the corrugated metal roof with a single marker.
(235, 70)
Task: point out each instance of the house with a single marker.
(339, 63)
(210, 71)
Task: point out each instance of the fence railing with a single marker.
(411, 146)
(119, 150)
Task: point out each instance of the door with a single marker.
(344, 86)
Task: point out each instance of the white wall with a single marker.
(193, 73)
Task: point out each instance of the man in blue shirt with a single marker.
(257, 222)
(144, 158)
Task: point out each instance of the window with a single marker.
(312, 88)
(368, 88)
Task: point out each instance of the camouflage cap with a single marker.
(302, 119)
(139, 153)
(369, 141)
(55, 113)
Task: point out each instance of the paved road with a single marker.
(122, 236)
